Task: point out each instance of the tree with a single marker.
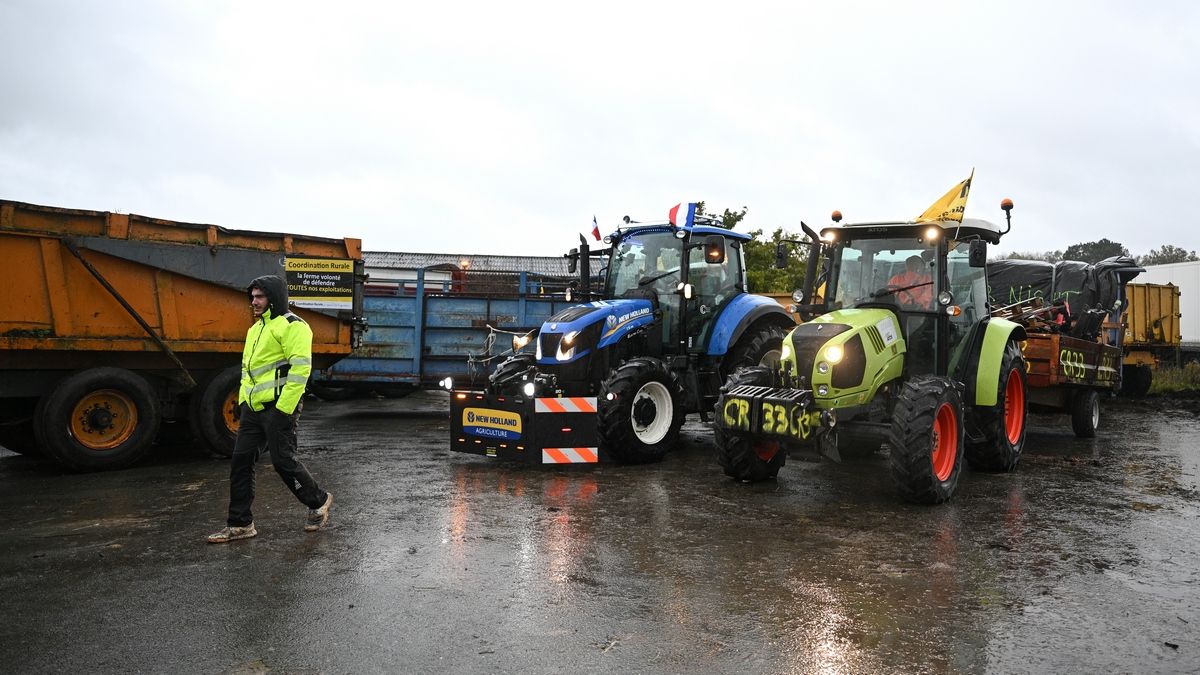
(729, 219)
(761, 275)
(1167, 254)
(1094, 251)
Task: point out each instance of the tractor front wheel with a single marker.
(745, 458)
(760, 346)
(640, 411)
(926, 440)
(1085, 413)
(1003, 425)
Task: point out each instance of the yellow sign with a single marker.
(492, 423)
(320, 283)
(952, 204)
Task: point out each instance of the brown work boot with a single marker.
(228, 534)
(319, 517)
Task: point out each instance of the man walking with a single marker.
(276, 362)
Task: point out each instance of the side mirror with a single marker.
(977, 256)
(781, 256)
(714, 249)
(573, 260)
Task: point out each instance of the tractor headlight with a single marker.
(566, 346)
(568, 295)
(569, 338)
(945, 298)
(447, 383)
(785, 354)
(520, 341)
(797, 296)
(822, 390)
(537, 354)
(822, 368)
(529, 389)
(834, 354)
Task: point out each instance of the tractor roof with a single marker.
(697, 230)
(986, 230)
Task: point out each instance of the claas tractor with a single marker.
(611, 378)
(897, 349)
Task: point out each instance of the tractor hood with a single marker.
(846, 354)
(574, 332)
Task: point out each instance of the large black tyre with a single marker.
(926, 440)
(1003, 425)
(640, 411)
(213, 410)
(1085, 413)
(1136, 380)
(506, 377)
(98, 419)
(745, 458)
(19, 437)
(759, 346)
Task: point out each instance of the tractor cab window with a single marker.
(714, 284)
(646, 264)
(894, 271)
(969, 288)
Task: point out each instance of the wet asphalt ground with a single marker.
(1085, 560)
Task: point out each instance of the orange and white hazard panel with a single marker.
(577, 404)
(569, 456)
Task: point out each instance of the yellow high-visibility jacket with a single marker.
(277, 358)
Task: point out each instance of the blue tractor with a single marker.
(611, 378)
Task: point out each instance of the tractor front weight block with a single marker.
(787, 415)
(558, 430)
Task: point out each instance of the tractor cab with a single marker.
(922, 272)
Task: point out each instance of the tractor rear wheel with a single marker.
(640, 411)
(1003, 425)
(760, 346)
(507, 376)
(743, 457)
(1085, 413)
(101, 418)
(926, 440)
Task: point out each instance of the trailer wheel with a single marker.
(19, 437)
(745, 458)
(102, 418)
(214, 408)
(761, 347)
(1085, 413)
(926, 440)
(1003, 425)
(640, 411)
(1136, 380)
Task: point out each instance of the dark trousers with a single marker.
(276, 432)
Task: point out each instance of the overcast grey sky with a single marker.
(487, 127)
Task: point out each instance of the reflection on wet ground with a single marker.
(1084, 560)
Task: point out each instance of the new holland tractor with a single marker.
(899, 349)
(612, 378)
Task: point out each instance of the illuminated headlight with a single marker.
(786, 354)
(932, 234)
(566, 347)
(537, 355)
(520, 341)
(797, 296)
(568, 295)
(447, 383)
(822, 390)
(529, 389)
(834, 354)
(822, 368)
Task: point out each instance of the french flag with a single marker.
(683, 215)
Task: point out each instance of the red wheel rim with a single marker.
(1014, 407)
(945, 441)
(767, 451)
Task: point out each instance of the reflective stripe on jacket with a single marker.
(276, 362)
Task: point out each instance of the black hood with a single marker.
(275, 290)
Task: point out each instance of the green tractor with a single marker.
(897, 348)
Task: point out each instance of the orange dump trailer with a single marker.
(117, 328)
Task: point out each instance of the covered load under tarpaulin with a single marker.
(1079, 286)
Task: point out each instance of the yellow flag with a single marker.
(951, 205)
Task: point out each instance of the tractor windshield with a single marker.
(644, 261)
(897, 270)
